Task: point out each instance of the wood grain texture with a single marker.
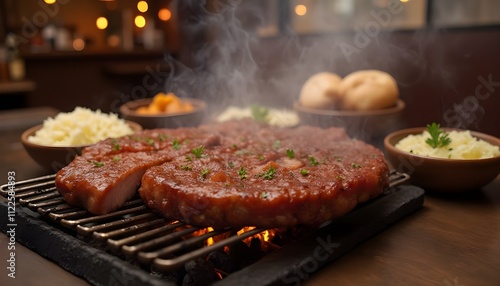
(453, 240)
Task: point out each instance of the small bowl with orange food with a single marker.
(164, 111)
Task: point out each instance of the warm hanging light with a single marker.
(142, 6)
(78, 44)
(140, 21)
(404, 1)
(164, 14)
(49, 1)
(101, 23)
(300, 10)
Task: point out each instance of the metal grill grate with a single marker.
(134, 231)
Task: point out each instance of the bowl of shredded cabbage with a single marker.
(56, 142)
(444, 159)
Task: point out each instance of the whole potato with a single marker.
(368, 90)
(322, 91)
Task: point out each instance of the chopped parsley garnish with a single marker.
(261, 157)
(188, 158)
(264, 195)
(259, 113)
(176, 145)
(439, 138)
(269, 174)
(276, 144)
(313, 161)
(150, 141)
(198, 152)
(242, 173)
(162, 137)
(241, 152)
(186, 167)
(230, 165)
(290, 153)
(355, 166)
(115, 145)
(116, 158)
(304, 172)
(204, 173)
(98, 164)
(234, 146)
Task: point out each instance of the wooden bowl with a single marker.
(443, 175)
(53, 158)
(167, 120)
(363, 125)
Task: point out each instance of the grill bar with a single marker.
(134, 231)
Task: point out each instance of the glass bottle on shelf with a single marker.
(15, 61)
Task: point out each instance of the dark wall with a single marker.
(446, 76)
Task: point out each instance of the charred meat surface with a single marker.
(266, 177)
(108, 173)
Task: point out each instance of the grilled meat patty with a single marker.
(260, 176)
(108, 173)
(238, 173)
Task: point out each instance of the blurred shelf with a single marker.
(85, 54)
(10, 87)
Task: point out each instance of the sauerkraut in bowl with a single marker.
(462, 145)
(444, 160)
(80, 127)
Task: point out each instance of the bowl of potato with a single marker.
(366, 103)
(164, 111)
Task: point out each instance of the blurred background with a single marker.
(100, 54)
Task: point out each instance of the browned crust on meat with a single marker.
(209, 191)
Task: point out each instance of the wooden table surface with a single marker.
(453, 240)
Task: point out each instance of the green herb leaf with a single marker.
(204, 173)
(259, 113)
(188, 158)
(269, 174)
(439, 138)
(242, 173)
(304, 172)
(198, 152)
(176, 145)
(313, 161)
(115, 145)
(150, 141)
(230, 165)
(276, 144)
(116, 158)
(163, 137)
(264, 195)
(186, 167)
(98, 164)
(290, 153)
(355, 166)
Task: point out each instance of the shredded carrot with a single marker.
(165, 103)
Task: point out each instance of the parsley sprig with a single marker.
(259, 113)
(439, 138)
(197, 152)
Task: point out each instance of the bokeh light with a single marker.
(101, 23)
(140, 21)
(142, 6)
(164, 14)
(300, 10)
